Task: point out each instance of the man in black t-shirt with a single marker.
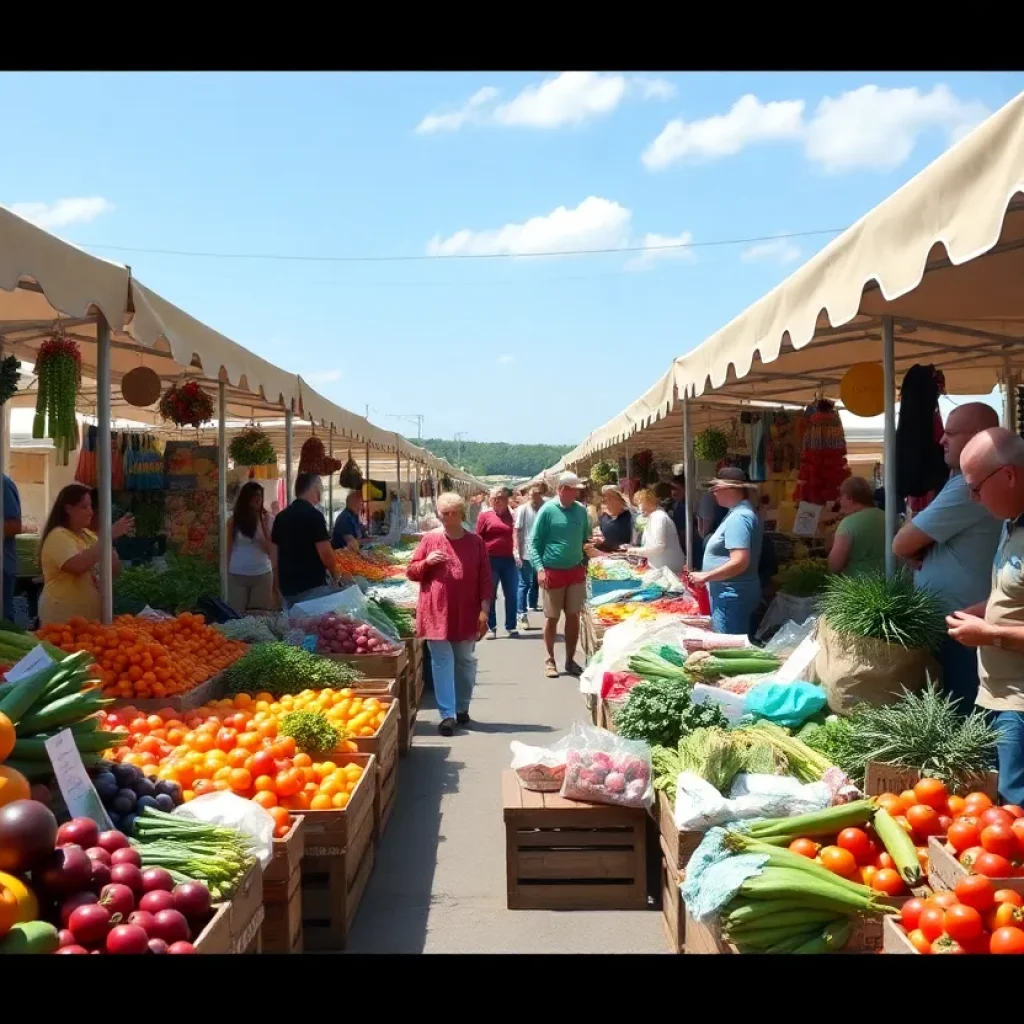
(302, 556)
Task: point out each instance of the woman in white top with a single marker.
(660, 544)
(250, 573)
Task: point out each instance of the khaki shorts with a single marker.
(565, 599)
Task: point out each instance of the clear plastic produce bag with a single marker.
(602, 768)
(232, 811)
(540, 768)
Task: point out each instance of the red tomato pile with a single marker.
(857, 854)
(975, 918)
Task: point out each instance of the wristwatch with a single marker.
(997, 641)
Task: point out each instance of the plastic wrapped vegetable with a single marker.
(603, 768)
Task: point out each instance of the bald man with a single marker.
(951, 544)
(993, 468)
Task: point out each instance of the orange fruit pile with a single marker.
(148, 660)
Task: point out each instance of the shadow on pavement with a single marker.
(393, 915)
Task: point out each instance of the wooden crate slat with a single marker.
(329, 905)
(282, 923)
(571, 865)
(577, 897)
(569, 838)
(288, 852)
(327, 832)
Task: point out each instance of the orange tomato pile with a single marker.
(148, 660)
(975, 917)
(233, 744)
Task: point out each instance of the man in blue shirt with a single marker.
(348, 531)
(12, 527)
(951, 544)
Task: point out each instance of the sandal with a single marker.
(550, 669)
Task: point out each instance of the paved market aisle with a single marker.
(439, 882)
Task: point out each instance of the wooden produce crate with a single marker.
(673, 911)
(374, 687)
(282, 893)
(944, 870)
(199, 695)
(570, 855)
(389, 666)
(337, 861)
(215, 938)
(894, 938)
(384, 800)
(886, 778)
(245, 911)
(385, 747)
(678, 846)
(418, 654)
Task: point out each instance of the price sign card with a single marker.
(34, 661)
(75, 785)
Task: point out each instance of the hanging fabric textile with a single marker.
(86, 470)
(823, 459)
(921, 468)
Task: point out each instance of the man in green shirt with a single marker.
(556, 551)
(859, 543)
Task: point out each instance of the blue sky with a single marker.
(538, 349)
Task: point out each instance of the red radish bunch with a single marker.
(599, 777)
(338, 634)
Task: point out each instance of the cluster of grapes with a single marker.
(59, 368)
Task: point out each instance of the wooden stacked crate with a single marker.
(570, 855)
(676, 849)
(392, 667)
(282, 893)
(385, 747)
(337, 861)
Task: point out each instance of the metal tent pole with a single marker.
(1010, 411)
(366, 489)
(330, 479)
(104, 479)
(289, 445)
(222, 487)
(889, 442)
(690, 469)
(398, 474)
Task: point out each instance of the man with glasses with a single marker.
(993, 466)
(951, 544)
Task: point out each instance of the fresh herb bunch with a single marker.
(10, 374)
(252, 447)
(280, 668)
(312, 732)
(806, 577)
(714, 754)
(893, 611)
(920, 731)
(661, 712)
(188, 578)
(710, 445)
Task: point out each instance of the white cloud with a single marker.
(873, 128)
(865, 128)
(663, 247)
(506, 359)
(63, 212)
(775, 250)
(748, 121)
(570, 98)
(323, 376)
(595, 224)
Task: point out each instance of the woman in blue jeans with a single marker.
(731, 556)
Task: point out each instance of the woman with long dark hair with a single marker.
(250, 572)
(69, 555)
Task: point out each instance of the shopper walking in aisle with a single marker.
(992, 464)
(525, 517)
(12, 527)
(69, 555)
(348, 530)
(301, 546)
(496, 528)
(858, 545)
(615, 524)
(452, 569)
(951, 544)
(250, 570)
(556, 551)
(731, 556)
(660, 543)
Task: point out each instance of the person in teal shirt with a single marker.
(557, 541)
(859, 543)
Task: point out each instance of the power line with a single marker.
(292, 257)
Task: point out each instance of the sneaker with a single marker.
(513, 634)
(535, 609)
(573, 669)
(462, 718)
(492, 634)
(550, 670)
(447, 727)
(524, 622)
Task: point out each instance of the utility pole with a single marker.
(416, 417)
(458, 444)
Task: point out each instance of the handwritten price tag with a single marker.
(75, 785)
(34, 661)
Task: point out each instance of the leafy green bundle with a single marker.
(806, 577)
(661, 712)
(922, 731)
(280, 668)
(187, 579)
(403, 620)
(893, 611)
(312, 732)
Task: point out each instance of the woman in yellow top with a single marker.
(70, 555)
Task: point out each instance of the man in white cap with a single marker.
(556, 545)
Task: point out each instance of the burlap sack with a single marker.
(860, 670)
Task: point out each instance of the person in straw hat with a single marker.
(731, 556)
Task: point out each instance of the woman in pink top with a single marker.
(451, 568)
(496, 526)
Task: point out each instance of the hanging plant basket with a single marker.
(313, 458)
(59, 369)
(10, 373)
(186, 406)
(351, 476)
(252, 447)
(710, 445)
